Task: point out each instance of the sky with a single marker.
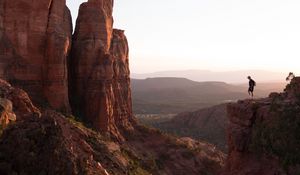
(217, 35)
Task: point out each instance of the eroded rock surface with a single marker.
(34, 47)
(35, 39)
(21, 104)
(100, 83)
(6, 113)
(263, 134)
(57, 144)
(47, 145)
(34, 55)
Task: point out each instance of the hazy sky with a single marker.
(215, 35)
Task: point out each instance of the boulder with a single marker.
(16, 101)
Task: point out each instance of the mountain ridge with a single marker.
(174, 95)
(237, 76)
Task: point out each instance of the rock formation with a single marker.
(14, 101)
(263, 134)
(34, 44)
(34, 55)
(121, 80)
(21, 104)
(6, 113)
(100, 83)
(49, 145)
(56, 144)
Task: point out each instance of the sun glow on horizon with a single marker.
(209, 34)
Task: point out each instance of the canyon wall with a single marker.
(38, 54)
(91, 72)
(35, 39)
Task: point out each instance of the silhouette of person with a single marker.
(251, 86)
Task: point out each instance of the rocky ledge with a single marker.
(263, 135)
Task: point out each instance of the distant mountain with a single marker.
(208, 124)
(226, 76)
(175, 95)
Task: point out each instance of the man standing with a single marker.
(251, 86)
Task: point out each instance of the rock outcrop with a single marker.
(57, 144)
(263, 134)
(14, 101)
(122, 103)
(49, 145)
(6, 113)
(99, 71)
(17, 101)
(54, 144)
(34, 55)
(35, 39)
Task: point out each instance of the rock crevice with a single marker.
(87, 72)
(35, 42)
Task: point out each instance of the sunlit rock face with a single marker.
(99, 70)
(35, 40)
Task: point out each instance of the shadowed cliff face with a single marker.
(35, 41)
(35, 44)
(100, 84)
(263, 134)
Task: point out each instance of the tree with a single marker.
(290, 76)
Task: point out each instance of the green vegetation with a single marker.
(281, 135)
(135, 164)
(101, 153)
(208, 127)
(216, 137)
(77, 121)
(154, 120)
(168, 107)
(139, 171)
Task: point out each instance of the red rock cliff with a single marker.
(263, 134)
(100, 84)
(56, 144)
(121, 81)
(34, 44)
